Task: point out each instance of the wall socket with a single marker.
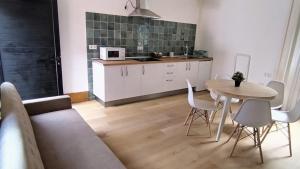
(140, 46)
(92, 47)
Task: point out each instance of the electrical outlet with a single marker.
(92, 47)
(140, 48)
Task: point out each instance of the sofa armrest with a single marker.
(48, 104)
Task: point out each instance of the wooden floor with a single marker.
(151, 135)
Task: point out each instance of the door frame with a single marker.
(57, 56)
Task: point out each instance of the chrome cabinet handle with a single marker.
(121, 71)
(169, 80)
(170, 65)
(186, 66)
(126, 71)
(169, 73)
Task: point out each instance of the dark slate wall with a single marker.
(131, 32)
(27, 47)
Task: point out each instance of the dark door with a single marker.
(29, 47)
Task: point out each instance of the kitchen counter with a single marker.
(161, 60)
(119, 82)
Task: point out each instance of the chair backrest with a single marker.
(254, 113)
(190, 94)
(242, 64)
(279, 87)
(212, 93)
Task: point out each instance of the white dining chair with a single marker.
(199, 108)
(287, 117)
(220, 100)
(252, 113)
(277, 102)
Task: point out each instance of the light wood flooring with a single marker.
(151, 135)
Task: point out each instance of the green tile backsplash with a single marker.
(131, 32)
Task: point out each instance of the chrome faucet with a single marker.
(186, 50)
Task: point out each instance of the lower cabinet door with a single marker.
(132, 86)
(182, 75)
(114, 83)
(152, 76)
(187, 70)
(192, 72)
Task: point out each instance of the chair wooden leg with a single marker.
(259, 145)
(267, 132)
(264, 129)
(209, 128)
(254, 135)
(230, 111)
(276, 126)
(213, 114)
(207, 121)
(237, 139)
(231, 135)
(188, 130)
(289, 136)
(188, 116)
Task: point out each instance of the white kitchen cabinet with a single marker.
(98, 80)
(132, 78)
(203, 74)
(152, 78)
(171, 76)
(188, 70)
(114, 83)
(192, 72)
(122, 82)
(181, 74)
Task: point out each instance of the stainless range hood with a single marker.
(138, 11)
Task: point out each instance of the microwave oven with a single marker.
(112, 53)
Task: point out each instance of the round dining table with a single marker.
(246, 90)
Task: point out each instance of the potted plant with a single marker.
(238, 77)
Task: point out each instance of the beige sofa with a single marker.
(48, 133)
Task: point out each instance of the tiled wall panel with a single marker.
(133, 32)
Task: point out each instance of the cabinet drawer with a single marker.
(170, 65)
(169, 73)
(169, 80)
(170, 84)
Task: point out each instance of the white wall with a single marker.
(73, 31)
(254, 27)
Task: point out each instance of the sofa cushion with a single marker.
(18, 148)
(67, 142)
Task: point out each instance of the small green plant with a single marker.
(238, 77)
